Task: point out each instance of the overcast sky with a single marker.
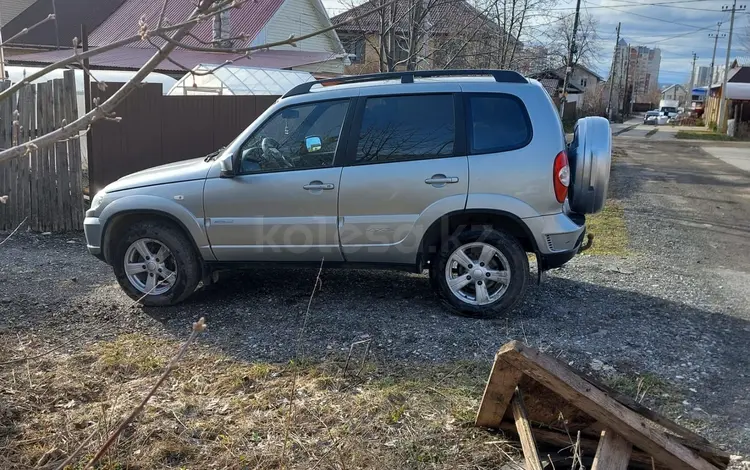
(678, 28)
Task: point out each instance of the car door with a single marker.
(282, 206)
(406, 168)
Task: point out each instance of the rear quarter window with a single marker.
(497, 123)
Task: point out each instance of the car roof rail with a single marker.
(501, 76)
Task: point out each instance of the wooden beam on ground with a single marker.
(613, 452)
(635, 428)
(556, 440)
(498, 393)
(528, 444)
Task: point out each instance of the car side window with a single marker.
(296, 137)
(410, 127)
(497, 123)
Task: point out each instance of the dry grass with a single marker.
(610, 233)
(217, 412)
(608, 226)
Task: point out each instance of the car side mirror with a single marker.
(229, 167)
(313, 144)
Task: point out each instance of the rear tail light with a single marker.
(561, 176)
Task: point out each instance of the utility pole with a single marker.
(723, 102)
(716, 37)
(627, 76)
(612, 74)
(692, 75)
(2, 54)
(569, 65)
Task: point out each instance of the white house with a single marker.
(675, 92)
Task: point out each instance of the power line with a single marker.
(634, 5)
(650, 17)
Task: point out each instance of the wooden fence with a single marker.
(157, 129)
(44, 187)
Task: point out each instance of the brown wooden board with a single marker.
(523, 426)
(61, 163)
(557, 442)
(637, 429)
(498, 393)
(44, 90)
(612, 453)
(34, 158)
(74, 152)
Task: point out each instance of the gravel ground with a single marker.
(676, 308)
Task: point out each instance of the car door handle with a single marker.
(441, 179)
(317, 186)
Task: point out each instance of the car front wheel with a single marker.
(482, 273)
(155, 263)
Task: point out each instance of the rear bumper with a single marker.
(552, 261)
(558, 237)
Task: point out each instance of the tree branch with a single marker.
(292, 39)
(49, 17)
(141, 36)
(106, 108)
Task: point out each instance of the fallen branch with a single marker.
(293, 390)
(198, 327)
(3, 199)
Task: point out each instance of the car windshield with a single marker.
(669, 109)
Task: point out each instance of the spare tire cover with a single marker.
(590, 156)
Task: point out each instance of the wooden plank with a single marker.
(558, 441)
(44, 111)
(653, 416)
(61, 161)
(528, 444)
(5, 212)
(74, 152)
(574, 388)
(497, 393)
(15, 198)
(26, 116)
(34, 166)
(612, 453)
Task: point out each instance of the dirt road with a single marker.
(671, 318)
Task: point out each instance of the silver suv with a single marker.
(461, 173)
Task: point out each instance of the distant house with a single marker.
(737, 94)
(581, 80)
(261, 21)
(676, 93)
(449, 34)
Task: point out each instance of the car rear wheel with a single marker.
(482, 273)
(155, 263)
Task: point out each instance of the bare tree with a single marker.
(586, 40)
(165, 38)
(413, 34)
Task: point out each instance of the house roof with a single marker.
(739, 75)
(585, 69)
(676, 85)
(445, 16)
(70, 14)
(552, 81)
(132, 58)
(249, 19)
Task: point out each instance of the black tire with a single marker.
(518, 264)
(187, 259)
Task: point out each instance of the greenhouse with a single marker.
(207, 79)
